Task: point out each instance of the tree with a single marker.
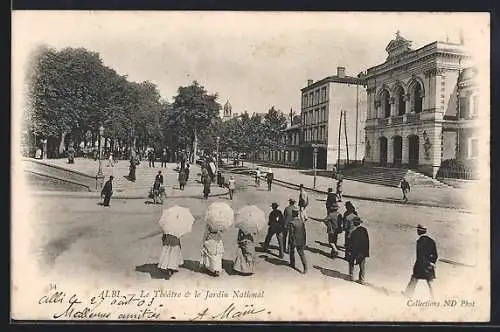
(274, 123)
(194, 110)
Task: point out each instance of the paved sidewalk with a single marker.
(420, 195)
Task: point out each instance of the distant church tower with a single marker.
(228, 110)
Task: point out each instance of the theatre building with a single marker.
(323, 102)
(413, 114)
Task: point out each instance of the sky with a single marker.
(253, 59)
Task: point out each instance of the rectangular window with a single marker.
(304, 135)
(473, 150)
(311, 98)
(316, 97)
(323, 94)
(475, 105)
(304, 103)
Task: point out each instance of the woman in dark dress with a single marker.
(182, 178)
(245, 258)
(131, 173)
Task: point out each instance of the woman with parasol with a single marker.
(250, 220)
(175, 222)
(219, 217)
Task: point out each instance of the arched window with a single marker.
(386, 106)
(400, 101)
(416, 97)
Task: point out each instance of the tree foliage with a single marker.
(71, 93)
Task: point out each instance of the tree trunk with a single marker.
(61, 144)
(195, 146)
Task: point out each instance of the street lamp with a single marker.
(217, 156)
(315, 160)
(101, 132)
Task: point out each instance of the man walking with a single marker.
(276, 224)
(164, 158)
(405, 188)
(107, 191)
(303, 201)
(331, 199)
(287, 218)
(231, 186)
(257, 177)
(269, 178)
(151, 157)
(297, 229)
(333, 224)
(360, 250)
(340, 181)
(425, 264)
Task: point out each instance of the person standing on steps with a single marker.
(132, 167)
(276, 225)
(107, 191)
(360, 250)
(151, 157)
(405, 188)
(425, 263)
(297, 229)
(303, 202)
(287, 218)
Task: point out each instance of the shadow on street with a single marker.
(153, 271)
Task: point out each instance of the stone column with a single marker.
(407, 103)
(392, 102)
(405, 147)
(390, 151)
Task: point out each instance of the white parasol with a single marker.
(176, 221)
(219, 216)
(251, 219)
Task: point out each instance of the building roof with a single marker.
(335, 79)
(400, 53)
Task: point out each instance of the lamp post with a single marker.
(217, 156)
(315, 160)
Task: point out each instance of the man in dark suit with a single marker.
(276, 224)
(107, 191)
(287, 214)
(297, 230)
(360, 249)
(424, 268)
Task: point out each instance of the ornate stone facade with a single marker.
(408, 97)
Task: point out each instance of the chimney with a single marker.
(340, 71)
(309, 82)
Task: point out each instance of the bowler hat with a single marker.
(357, 219)
(291, 200)
(421, 228)
(274, 205)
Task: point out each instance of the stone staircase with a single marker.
(390, 177)
(376, 175)
(82, 173)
